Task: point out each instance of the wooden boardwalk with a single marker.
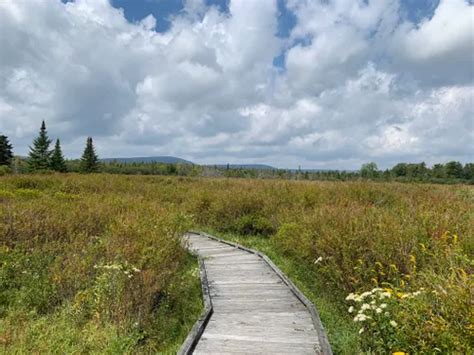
(254, 310)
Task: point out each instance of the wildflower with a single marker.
(399, 353)
(393, 323)
(383, 305)
(135, 269)
(365, 294)
(351, 309)
(350, 297)
(318, 260)
(361, 318)
(361, 330)
(386, 314)
(378, 310)
(365, 306)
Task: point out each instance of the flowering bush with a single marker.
(387, 319)
(375, 311)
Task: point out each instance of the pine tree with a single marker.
(6, 151)
(57, 159)
(39, 157)
(89, 160)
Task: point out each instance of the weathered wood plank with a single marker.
(254, 309)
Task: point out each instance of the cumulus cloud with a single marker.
(360, 81)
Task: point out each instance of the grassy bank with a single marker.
(94, 262)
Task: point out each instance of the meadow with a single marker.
(95, 262)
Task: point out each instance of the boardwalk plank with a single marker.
(255, 312)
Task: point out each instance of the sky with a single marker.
(327, 84)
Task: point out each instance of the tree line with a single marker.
(42, 158)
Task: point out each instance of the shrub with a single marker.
(5, 170)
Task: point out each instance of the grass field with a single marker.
(94, 262)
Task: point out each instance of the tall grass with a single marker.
(95, 262)
(412, 242)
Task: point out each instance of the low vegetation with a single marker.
(93, 264)
(94, 261)
(349, 243)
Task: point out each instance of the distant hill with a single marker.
(158, 159)
(246, 166)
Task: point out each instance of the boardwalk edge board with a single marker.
(198, 328)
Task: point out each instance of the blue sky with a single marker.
(313, 83)
(136, 10)
(163, 10)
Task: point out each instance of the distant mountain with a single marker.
(159, 159)
(246, 166)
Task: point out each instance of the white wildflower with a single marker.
(378, 310)
(365, 306)
(351, 309)
(350, 297)
(318, 260)
(383, 305)
(386, 314)
(393, 323)
(361, 318)
(361, 330)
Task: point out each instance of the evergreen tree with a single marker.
(6, 151)
(40, 155)
(89, 160)
(57, 159)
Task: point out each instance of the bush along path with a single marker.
(254, 307)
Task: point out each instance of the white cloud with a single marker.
(439, 50)
(360, 82)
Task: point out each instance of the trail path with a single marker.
(254, 310)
